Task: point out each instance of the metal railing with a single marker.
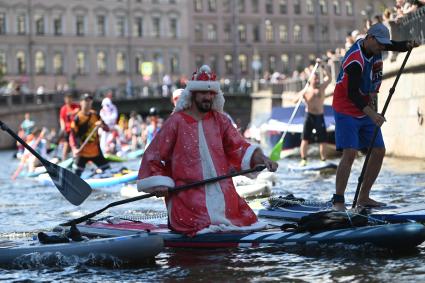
(28, 99)
(411, 26)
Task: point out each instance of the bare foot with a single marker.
(370, 203)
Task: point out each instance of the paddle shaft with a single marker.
(294, 112)
(375, 133)
(170, 190)
(88, 138)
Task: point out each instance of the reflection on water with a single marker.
(26, 207)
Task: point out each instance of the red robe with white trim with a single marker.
(187, 151)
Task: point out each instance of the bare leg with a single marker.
(343, 173)
(372, 170)
(303, 149)
(322, 151)
(65, 150)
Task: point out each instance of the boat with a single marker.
(98, 182)
(41, 169)
(132, 248)
(392, 236)
(125, 157)
(294, 210)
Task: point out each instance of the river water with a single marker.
(26, 207)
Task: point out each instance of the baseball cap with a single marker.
(86, 96)
(381, 33)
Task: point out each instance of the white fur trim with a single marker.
(203, 85)
(229, 228)
(147, 185)
(214, 197)
(185, 101)
(246, 160)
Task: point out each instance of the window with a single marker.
(57, 25)
(212, 5)
(283, 33)
(227, 32)
(228, 64)
(21, 24)
(156, 31)
(243, 63)
(158, 63)
(256, 33)
(21, 62)
(101, 27)
(79, 25)
(174, 64)
(40, 63)
(269, 31)
(309, 6)
(325, 33)
(197, 5)
(311, 33)
(226, 6)
(272, 63)
(297, 7)
(323, 7)
(254, 6)
(285, 62)
(101, 63)
(297, 33)
(214, 63)
(138, 63)
(337, 7)
(299, 65)
(242, 32)
(173, 28)
(120, 26)
(198, 32)
(269, 6)
(81, 63)
(39, 24)
(283, 7)
(349, 8)
(2, 23)
(3, 64)
(211, 32)
(58, 64)
(241, 6)
(199, 61)
(120, 62)
(138, 27)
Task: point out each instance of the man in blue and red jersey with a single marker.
(355, 115)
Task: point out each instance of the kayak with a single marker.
(316, 166)
(132, 248)
(97, 183)
(295, 210)
(126, 157)
(393, 236)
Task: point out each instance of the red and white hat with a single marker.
(202, 80)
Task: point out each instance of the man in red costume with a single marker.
(198, 142)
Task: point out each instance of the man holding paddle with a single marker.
(356, 117)
(198, 142)
(84, 139)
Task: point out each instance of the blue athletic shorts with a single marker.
(356, 133)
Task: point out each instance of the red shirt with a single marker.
(66, 115)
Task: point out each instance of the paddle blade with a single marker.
(277, 149)
(71, 186)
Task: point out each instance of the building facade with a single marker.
(95, 44)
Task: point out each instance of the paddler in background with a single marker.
(66, 116)
(84, 139)
(314, 98)
(198, 142)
